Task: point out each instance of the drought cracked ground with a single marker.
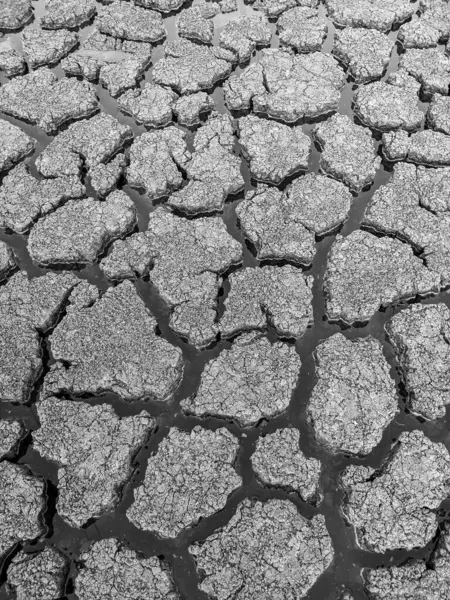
(224, 316)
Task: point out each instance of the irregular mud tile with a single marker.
(244, 34)
(16, 144)
(430, 67)
(432, 27)
(396, 145)
(366, 52)
(119, 77)
(93, 449)
(89, 142)
(67, 13)
(365, 273)
(80, 231)
(198, 197)
(196, 22)
(189, 286)
(26, 308)
(156, 159)
(354, 399)
(7, 260)
(420, 336)
(164, 6)
(373, 14)
(11, 433)
(276, 296)
(151, 105)
(112, 346)
(395, 507)
(438, 115)
(43, 100)
(252, 380)
(104, 177)
(239, 90)
(279, 462)
(188, 68)
(46, 47)
(267, 550)
(349, 152)
(112, 571)
(38, 576)
(274, 150)
(227, 6)
(15, 13)
(188, 479)
(22, 505)
(128, 21)
(302, 28)
(11, 62)
(274, 8)
(189, 109)
(427, 147)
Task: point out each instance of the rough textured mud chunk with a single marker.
(196, 22)
(187, 67)
(432, 27)
(93, 449)
(252, 380)
(279, 462)
(438, 115)
(43, 47)
(111, 570)
(366, 52)
(151, 105)
(266, 550)
(244, 34)
(188, 109)
(38, 576)
(274, 8)
(395, 506)
(15, 13)
(16, 144)
(426, 147)
(189, 286)
(276, 296)
(349, 152)
(373, 14)
(78, 232)
(430, 67)
(112, 346)
(43, 100)
(365, 273)
(126, 20)
(7, 260)
(67, 13)
(302, 28)
(86, 143)
(420, 336)
(354, 399)
(11, 433)
(104, 177)
(21, 506)
(189, 478)
(227, 6)
(275, 151)
(11, 62)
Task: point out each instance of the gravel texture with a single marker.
(67, 13)
(196, 22)
(302, 28)
(128, 21)
(242, 36)
(373, 14)
(11, 434)
(46, 47)
(16, 144)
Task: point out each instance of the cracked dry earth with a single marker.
(224, 316)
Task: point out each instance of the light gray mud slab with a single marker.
(188, 479)
(46, 47)
(7, 260)
(111, 570)
(38, 576)
(274, 8)
(27, 308)
(430, 67)
(279, 462)
(128, 21)
(242, 35)
(366, 52)
(189, 286)
(112, 346)
(373, 14)
(227, 6)
(11, 62)
(86, 143)
(420, 336)
(348, 152)
(365, 273)
(438, 115)
(67, 13)
(43, 100)
(188, 109)
(11, 433)
(427, 147)
(302, 28)
(15, 13)
(151, 105)
(188, 68)
(396, 506)
(277, 296)
(163, 6)
(93, 449)
(252, 380)
(196, 22)
(21, 506)
(104, 177)
(432, 27)
(354, 399)
(16, 144)
(266, 550)
(274, 150)
(78, 232)
(286, 86)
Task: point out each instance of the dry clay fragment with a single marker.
(126, 20)
(196, 22)
(43, 47)
(279, 462)
(242, 35)
(40, 576)
(11, 61)
(15, 13)
(365, 273)
(188, 479)
(354, 399)
(151, 105)
(438, 115)
(252, 380)
(373, 14)
(430, 67)
(112, 346)
(67, 13)
(188, 109)
(7, 260)
(395, 507)
(427, 147)
(274, 8)
(111, 570)
(302, 28)
(104, 177)
(432, 27)
(93, 449)
(11, 433)
(16, 144)
(267, 550)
